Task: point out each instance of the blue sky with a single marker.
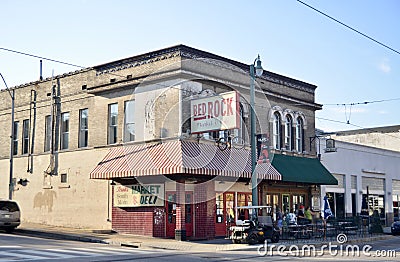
(292, 40)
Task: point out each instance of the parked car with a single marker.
(396, 228)
(10, 215)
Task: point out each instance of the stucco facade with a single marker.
(358, 167)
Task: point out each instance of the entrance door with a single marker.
(225, 212)
(189, 214)
(171, 214)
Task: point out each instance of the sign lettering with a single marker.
(218, 112)
(139, 195)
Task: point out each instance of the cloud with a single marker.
(384, 66)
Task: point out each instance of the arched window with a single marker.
(300, 135)
(288, 133)
(276, 131)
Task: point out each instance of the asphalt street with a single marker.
(27, 248)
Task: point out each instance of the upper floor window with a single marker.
(25, 136)
(288, 133)
(112, 123)
(129, 121)
(15, 138)
(64, 130)
(47, 133)
(300, 135)
(83, 128)
(276, 131)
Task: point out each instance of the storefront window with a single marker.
(219, 201)
(285, 203)
(396, 206)
(244, 199)
(298, 200)
(230, 205)
(376, 204)
(336, 202)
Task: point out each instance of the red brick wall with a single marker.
(147, 221)
(204, 197)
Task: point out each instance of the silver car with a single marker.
(10, 216)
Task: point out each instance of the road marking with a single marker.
(15, 254)
(10, 246)
(110, 250)
(45, 253)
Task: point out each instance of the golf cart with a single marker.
(256, 230)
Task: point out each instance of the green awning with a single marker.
(303, 170)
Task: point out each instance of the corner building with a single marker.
(117, 146)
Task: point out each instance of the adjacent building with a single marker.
(364, 173)
(158, 144)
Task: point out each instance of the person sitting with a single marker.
(308, 214)
(291, 218)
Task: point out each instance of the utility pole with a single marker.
(12, 95)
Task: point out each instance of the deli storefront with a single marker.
(178, 188)
(185, 189)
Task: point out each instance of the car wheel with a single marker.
(9, 229)
(252, 239)
(275, 237)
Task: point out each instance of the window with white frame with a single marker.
(48, 133)
(288, 133)
(64, 130)
(299, 135)
(276, 131)
(112, 123)
(25, 136)
(83, 127)
(129, 121)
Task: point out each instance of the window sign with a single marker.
(219, 112)
(139, 195)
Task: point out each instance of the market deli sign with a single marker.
(214, 113)
(139, 195)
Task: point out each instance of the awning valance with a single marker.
(179, 157)
(302, 170)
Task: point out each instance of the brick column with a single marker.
(180, 228)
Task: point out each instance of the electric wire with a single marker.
(349, 27)
(41, 57)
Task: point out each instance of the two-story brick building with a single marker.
(116, 146)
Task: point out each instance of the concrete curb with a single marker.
(52, 235)
(177, 245)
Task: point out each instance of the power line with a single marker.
(349, 27)
(348, 123)
(40, 57)
(362, 103)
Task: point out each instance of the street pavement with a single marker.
(142, 242)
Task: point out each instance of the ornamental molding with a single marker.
(202, 57)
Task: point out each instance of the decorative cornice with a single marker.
(192, 53)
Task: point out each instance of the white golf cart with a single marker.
(256, 230)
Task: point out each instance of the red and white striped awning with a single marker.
(179, 157)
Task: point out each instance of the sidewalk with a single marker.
(135, 241)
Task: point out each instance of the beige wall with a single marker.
(81, 202)
(84, 202)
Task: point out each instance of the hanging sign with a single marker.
(213, 113)
(139, 195)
